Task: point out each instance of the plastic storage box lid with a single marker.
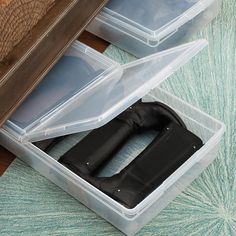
(151, 21)
(105, 95)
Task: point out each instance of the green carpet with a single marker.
(31, 205)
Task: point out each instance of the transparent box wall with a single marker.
(126, 220)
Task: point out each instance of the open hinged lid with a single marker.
(151, 21)
(99, 101)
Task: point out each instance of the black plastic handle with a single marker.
(173, 145)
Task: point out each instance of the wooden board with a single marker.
(17, 18)
(6, 158)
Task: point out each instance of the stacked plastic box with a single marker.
(145, 27)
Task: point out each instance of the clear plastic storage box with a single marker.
(145, 27)
(109, 90)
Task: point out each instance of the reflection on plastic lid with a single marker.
(69, 76)
(151, 14)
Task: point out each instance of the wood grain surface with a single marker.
(6, 158)
(4, 3)
(17, 18)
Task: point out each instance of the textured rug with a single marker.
(31, 205)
